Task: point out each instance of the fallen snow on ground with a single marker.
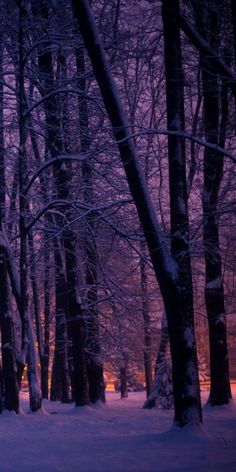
(118, 437)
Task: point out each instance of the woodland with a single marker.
(117, 201)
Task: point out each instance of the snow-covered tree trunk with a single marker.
(75, 313)
(183, 343)
(28, 351)
(22, 170)
(48, 221)
(47, 319)
(173, 276)
(208, 23)
(31, 357)
(146, 321)
(61, 176)
(42, 341)
(76, 322)
(43, 354)
(9, 371)
(60, 361)
(161, 395)
(94, 361)
(35, 394)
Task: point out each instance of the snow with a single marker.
(182, 205)
(216, 283)
(188, 336)
(221, 318)
(118, 437)
(7, 346)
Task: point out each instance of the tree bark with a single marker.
(76, 322)
(8, 381)
(9, 369)
(162, 392)
(178, 207)
(94, 361)
(147, 353)
(45, 335)
(174, 278)
(28, 351)
(213, 173)
(47, 319)
(61, 336)
(61, 178)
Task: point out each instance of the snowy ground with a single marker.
(120, 437)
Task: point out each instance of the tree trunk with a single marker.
(61, 178)
(173, 276)
(8, 380)
(123, 376)
(28, 351)
(94, 361)
(146, 323)
(9, 369)
(233, 12)
(182, 344)
(61, 337)
(162, 390)
(48, 221)
(123, 383)
(76, 322)
(1, 390)
(43, 355)
(213, 173)
(47, 319)
(56, 386)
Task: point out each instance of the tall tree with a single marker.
(94, 361)
(174, 276)
(147, 353)
(179, 220)
(9, 369)
(62, 176)
(28, 352)
(207, 21)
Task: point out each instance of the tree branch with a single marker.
(215, 63)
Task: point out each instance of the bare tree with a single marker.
(9, 369)
(174, 282)
(215, 103)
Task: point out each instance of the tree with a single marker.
(174, 282)
(215, 100)
(9, 369)
(94, 362)
(28, 351)
(161, 394)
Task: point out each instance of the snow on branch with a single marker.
(76, 157)
(77, 206)
(185, 135)
(74, 91)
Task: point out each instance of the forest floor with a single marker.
(118, 437)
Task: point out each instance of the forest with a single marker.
(117, 202)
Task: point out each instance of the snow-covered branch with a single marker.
(77, 157)
(185, 135)
(74, 91)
